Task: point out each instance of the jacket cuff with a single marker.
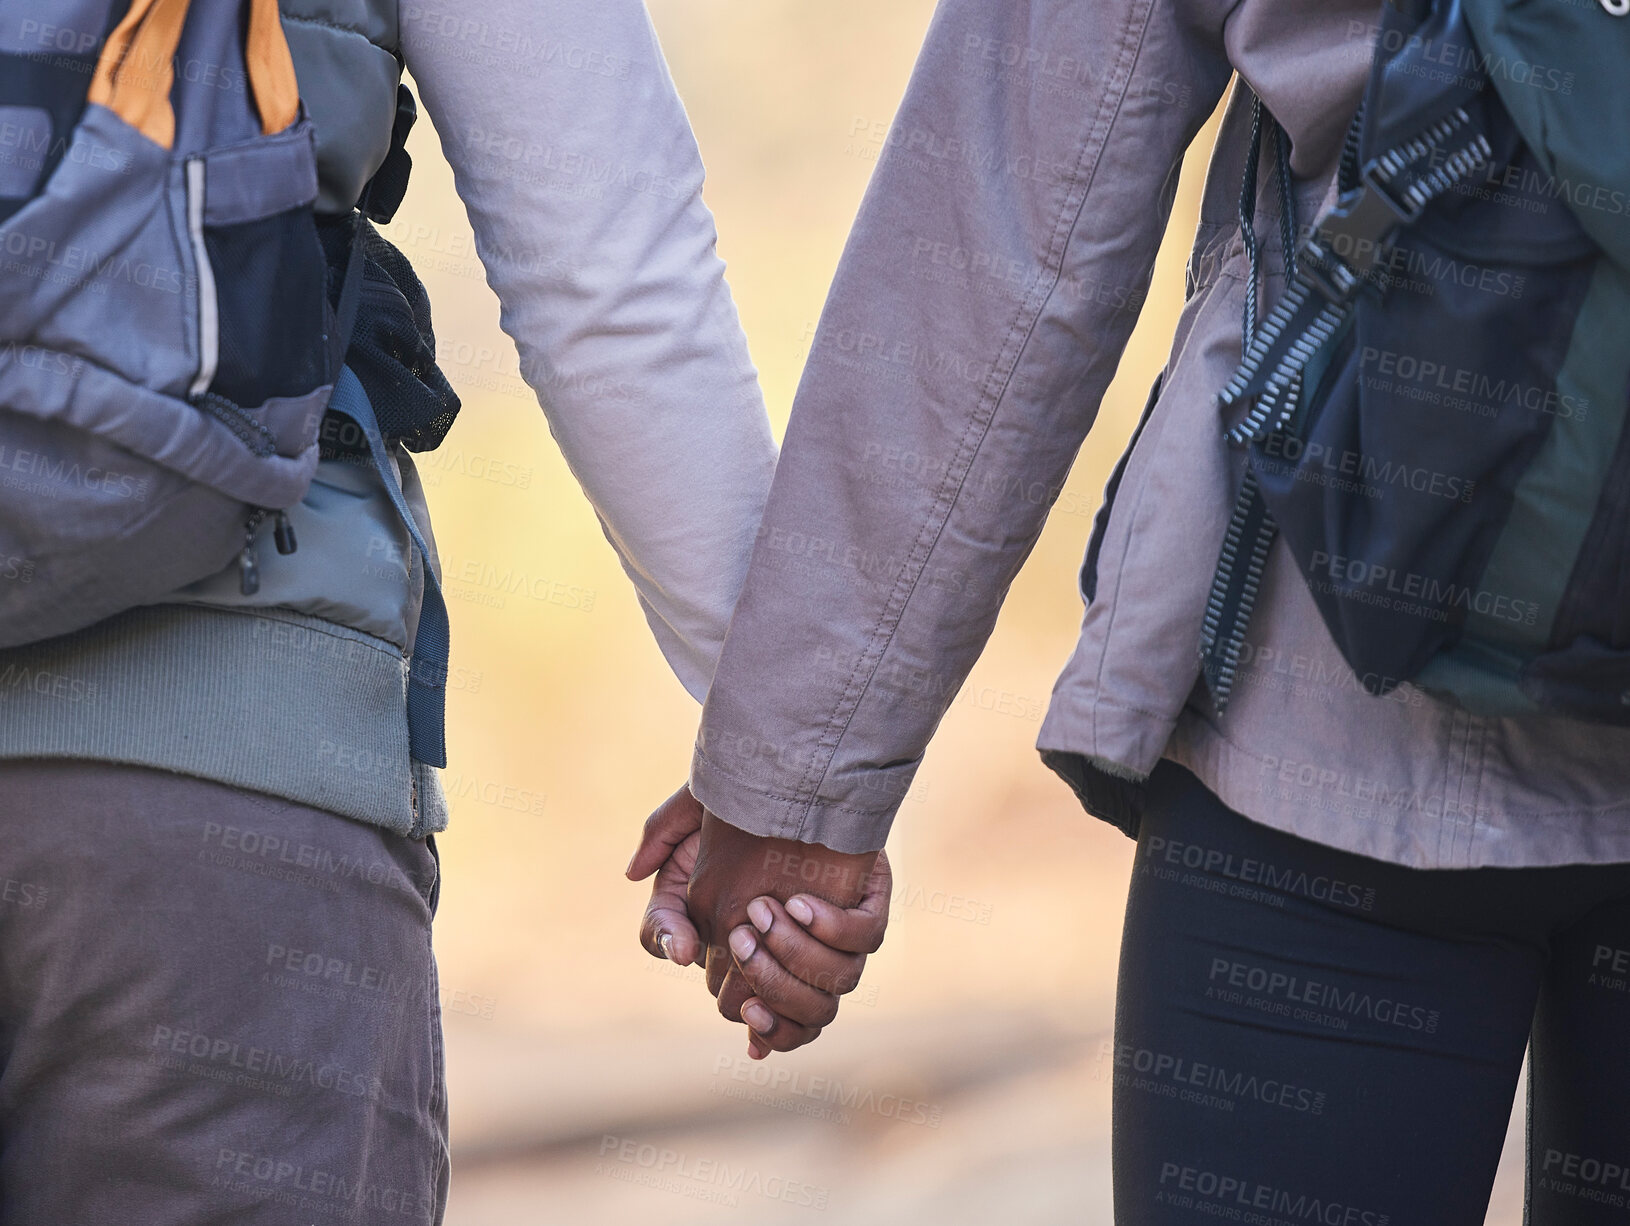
(751, 808)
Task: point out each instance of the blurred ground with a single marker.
(590, 1084)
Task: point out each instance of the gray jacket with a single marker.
(990, 284)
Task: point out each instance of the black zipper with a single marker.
(248, 562)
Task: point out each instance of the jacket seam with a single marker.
(1562, 816)
(1105, 699)
(292, 617)
(808, 801)
(1200, 300)
(335, 27)
(980, 422)
(1454, 773)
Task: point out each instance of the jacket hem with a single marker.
(772, 816)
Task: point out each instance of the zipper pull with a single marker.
(248, 564)
(283, 532)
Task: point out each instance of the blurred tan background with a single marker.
(965, 1081)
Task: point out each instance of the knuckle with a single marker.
(762, 970)
(835, 982)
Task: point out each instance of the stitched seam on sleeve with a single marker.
(1007, 362)
(805, 800)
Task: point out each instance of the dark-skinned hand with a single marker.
(782, 927)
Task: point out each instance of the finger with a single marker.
(800, 953)
(718, 967)
(784, 993)
(738, 1004)
(667, 930)
(734, 992)
(733, 989)
(675, 819)
(858, 929)
(668, 933)
(784, 1036)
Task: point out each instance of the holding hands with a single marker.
(781, 927)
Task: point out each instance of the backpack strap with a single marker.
(1251, 530)
(385, 192)
(427, 670)
(1344, 250)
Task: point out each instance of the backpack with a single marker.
(1433, 414)
(174, 319)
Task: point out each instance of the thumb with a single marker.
(675, 819)
(667, 931)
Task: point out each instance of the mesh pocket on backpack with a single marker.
(269, 306)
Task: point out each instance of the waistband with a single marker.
(268, 700)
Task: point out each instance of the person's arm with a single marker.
(999, 261)
(576, 163)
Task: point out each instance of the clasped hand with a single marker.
(781, 927)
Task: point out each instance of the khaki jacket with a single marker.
(998, 263)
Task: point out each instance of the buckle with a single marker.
(1328, 273)
(1383, 182)
(1352, 236)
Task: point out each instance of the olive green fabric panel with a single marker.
(1557, 496)
(1559, 66)
(345, 56)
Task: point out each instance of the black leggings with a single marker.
(1304, 1035)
